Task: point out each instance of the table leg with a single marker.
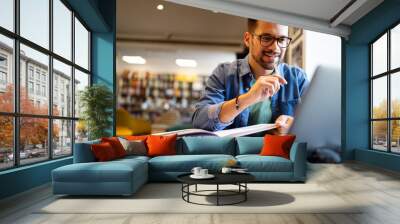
(217, 194)
(245, 193)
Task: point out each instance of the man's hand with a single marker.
(284, 123)
(266, 86)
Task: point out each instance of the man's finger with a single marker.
(281, 79)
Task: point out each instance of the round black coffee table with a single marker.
(238, 179)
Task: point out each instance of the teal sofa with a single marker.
(125, 176)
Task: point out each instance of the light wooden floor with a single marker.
(378, 188)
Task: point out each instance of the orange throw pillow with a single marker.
(136, 137)
(159, 145)
(116, 145)
(103, 152)
(277, 145)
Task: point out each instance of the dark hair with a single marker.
(251, 25)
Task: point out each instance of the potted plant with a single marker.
(96, 103)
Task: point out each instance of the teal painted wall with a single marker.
(100, 16)
(356, 84)
(103, 52)
(24, 178)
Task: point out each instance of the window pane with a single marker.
(34, 72)
(81, 45)
(33, 139)
(62, 89)
(395, 136)
(62, 138)
(379, 55)
(379, 98)
(395, 47)
(7, 14)
(62, 29)
(6, 142)
(81, 132)
(395, 94)
(81, 81)
(379, 135)
(35, 21)
(6, 74)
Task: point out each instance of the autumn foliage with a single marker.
(33, 131)
(380, 127)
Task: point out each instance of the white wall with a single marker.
(318, 117)
(321, 49)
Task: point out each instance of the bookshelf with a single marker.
(150, 95)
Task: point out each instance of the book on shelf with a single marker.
(235, 132)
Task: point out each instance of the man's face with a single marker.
(266, 56)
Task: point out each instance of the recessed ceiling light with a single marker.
(134, 60)
(160, 7)
(186, 63)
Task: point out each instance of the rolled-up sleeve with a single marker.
(206, 115)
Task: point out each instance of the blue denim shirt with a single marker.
(229, 80)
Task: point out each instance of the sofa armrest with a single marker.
(83, 152)
(298, 155)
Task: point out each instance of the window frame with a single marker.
(388, 74)
(16, 114)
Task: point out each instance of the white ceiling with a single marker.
(139, 20)
(315, 15)
(192, 29)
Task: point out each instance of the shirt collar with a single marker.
(244, 67)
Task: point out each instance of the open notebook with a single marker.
(236, 132)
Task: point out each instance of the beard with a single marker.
(267, 59)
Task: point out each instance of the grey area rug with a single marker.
(166, 198)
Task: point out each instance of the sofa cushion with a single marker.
(116, 145)
(249, 145)
(161, 145)
(103, 152)
(197, 145)
(257, 163)
(277, 145)
(112, 171)
(185, 163)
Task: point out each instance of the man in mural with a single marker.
(256, 89)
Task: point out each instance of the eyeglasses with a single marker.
(268, 40)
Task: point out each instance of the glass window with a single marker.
(30, 87)
(40, 61)
(81, 131)
(62, 137)
(33, 140)
(7, 74)
(6, 142)
(395, 95)
(30, 72)
(37, 89)
(81, 45)
(379, 56)
(43, 90)
(395, 138)
(7, 14)
(34, 80)
(62, 29)
(395, 47)
(35, 21)
(62, 72)
(379, 135)
(81, 81)
(379, 98)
